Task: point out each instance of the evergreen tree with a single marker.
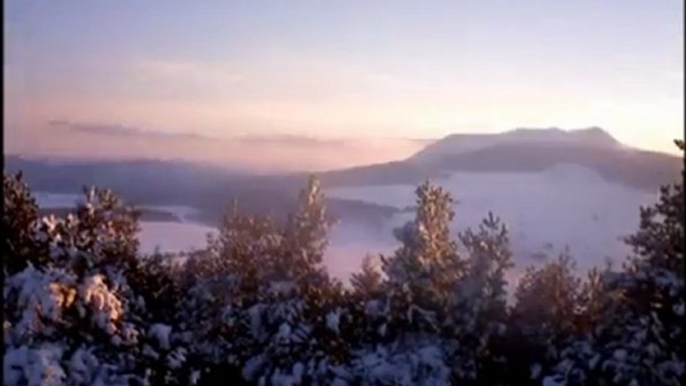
(478, 315)
(19, 219)
(544, 316)
(638, 337)
(82, 306)
(367, 283)
(423, 271)
(262, 301)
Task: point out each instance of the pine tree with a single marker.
(650, 345)
(222, 285)
(265, 309)
(478, 316)
(19, 219)
(72, 316)
(424, 270)
(306, 236)
(405, 320)
(367, 283)
(638, 337)
(543, 319)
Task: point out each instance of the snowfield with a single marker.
(563, 206)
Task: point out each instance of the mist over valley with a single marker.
(553, 188)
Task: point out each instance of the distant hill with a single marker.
(211, 188)
(207, 188)
(521, 150)
(454, 144)
(256, 154)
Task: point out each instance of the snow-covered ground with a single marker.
(565, 206)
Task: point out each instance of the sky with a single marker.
(412, 69)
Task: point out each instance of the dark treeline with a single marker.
(203, 187)
(82, 306)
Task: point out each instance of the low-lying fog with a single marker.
(564, 206)
(278, 154)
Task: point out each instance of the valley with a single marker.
(555, 190)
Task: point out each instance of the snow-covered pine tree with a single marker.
(655, 293)
(362, 303)
(19, 218)
(64, 326)
(638, 339)
(544, 316)
(367, 283)
(265, 307)
(489, 259)
(77, 315)
(308, 227)
(407, 318)
(478, 318)
(220, 284)
(578, 356)
(423, 271)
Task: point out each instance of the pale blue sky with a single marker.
(350, 68)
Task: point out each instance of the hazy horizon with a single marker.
(347, 69)
(343, 192)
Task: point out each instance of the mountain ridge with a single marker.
(465, 142)
(210, 187)
(521, 150)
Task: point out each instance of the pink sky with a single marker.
(353, 69)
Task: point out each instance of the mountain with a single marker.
(639, 169)
(210, 188)
(451, 145)
(520, 150)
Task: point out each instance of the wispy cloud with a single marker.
(112, 129)
(187, 71)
